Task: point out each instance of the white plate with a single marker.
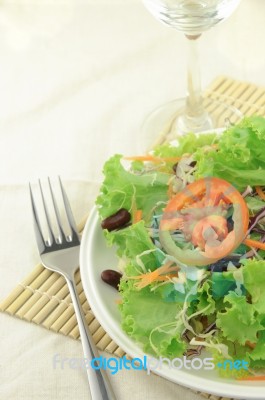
(96, 257)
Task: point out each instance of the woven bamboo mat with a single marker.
(220, 99)
(43, 297)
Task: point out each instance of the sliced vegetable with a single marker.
(151, 158)
(137, 216)
(254, 243)
(160, 274)
(260, 192)
(251, 345)
(253, 378)
(200, 211)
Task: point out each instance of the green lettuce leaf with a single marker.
(123, 189)
(151, 321)
(240, 158)
(254, 204)
(257, 364)
(226, 367)
(259, 351)
(206, 303)
(186, 144)
(240, 322)
(134, 244)
(169, 293)
(254, 282)
(222, 284)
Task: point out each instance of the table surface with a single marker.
(77, 80)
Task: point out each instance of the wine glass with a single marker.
(191, 17)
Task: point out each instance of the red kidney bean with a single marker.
(111, 277)
(121, 218)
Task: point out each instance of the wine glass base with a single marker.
(168, 122)
(185, 124)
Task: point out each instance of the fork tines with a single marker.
(52, 234)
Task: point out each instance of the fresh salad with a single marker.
(188, 222)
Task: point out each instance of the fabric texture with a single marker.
(77, 80)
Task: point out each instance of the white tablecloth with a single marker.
(77, 79)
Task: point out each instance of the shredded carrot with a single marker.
(214, 146)
(150, 277)
(170, 191)
(137, 216)
(252, 378)
(254, 243)
(118, 301)
(251, 345)
(149, 157)
(142, 158)
(260, 192)
(170, 159)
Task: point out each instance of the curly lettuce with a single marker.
(187, 144)
(124, 189)
(151, 321)
(240, 158)
(136, 248)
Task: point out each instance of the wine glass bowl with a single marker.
(190, 17)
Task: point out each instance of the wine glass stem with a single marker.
(194, 104)
(195, 118)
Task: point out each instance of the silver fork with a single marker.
(60, 253)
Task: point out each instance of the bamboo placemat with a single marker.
(43, 297)
(220, 98)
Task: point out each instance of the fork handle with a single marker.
(100, 387)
